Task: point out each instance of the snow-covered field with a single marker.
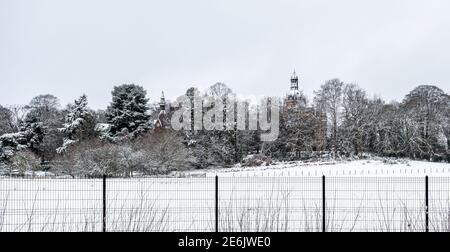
(373, 195)
(377, 167)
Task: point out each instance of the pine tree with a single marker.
(10, 144)
(128, 112)
(30, 136)
(79, 124)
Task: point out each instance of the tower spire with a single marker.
(294, 82)
(162, 103)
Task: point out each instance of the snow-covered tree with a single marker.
(329, 100)
(33, 132)
(10, 144)
(41, 126)
(426, 108)
(429, 103)
(212, 147)
(301, 134)
(10, 140)
(95, 158)
(79, 124)
(355, 118)
(30, 137)
(6, 123)
(128, 113)
(23, 162)
(164, 152)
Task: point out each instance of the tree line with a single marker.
(341, 121)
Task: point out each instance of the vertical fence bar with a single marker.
(323, 206)
(217, 204)
(427, 206)
(104, 205)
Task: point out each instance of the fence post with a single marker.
(217, 204)
(324, 225)
(427, 206)
(104, 205)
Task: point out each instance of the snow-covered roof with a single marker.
(102, 127)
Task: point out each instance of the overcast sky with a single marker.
(71, 47)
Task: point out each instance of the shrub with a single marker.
(164, 152)
(256, 160)
(23, 162)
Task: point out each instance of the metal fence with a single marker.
(253, 204)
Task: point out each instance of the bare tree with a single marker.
(329, 99)
(45, 115)
(45, 107)
(355, 105)
(219, 90)
(426, 108)
(18, 113)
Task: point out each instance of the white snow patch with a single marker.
(368, 168)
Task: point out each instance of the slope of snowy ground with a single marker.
(377, 167)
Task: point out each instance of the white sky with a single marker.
(70, 47)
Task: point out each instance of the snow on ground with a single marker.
(364, 195)
(376, 167)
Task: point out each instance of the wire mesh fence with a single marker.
(375, 204)
(35, 205)
(160, 205)
(439, 206)
(253, 204)
(270, 204)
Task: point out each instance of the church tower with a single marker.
(162, 121)
(162, 103)
(295, 97)
(294, 82)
